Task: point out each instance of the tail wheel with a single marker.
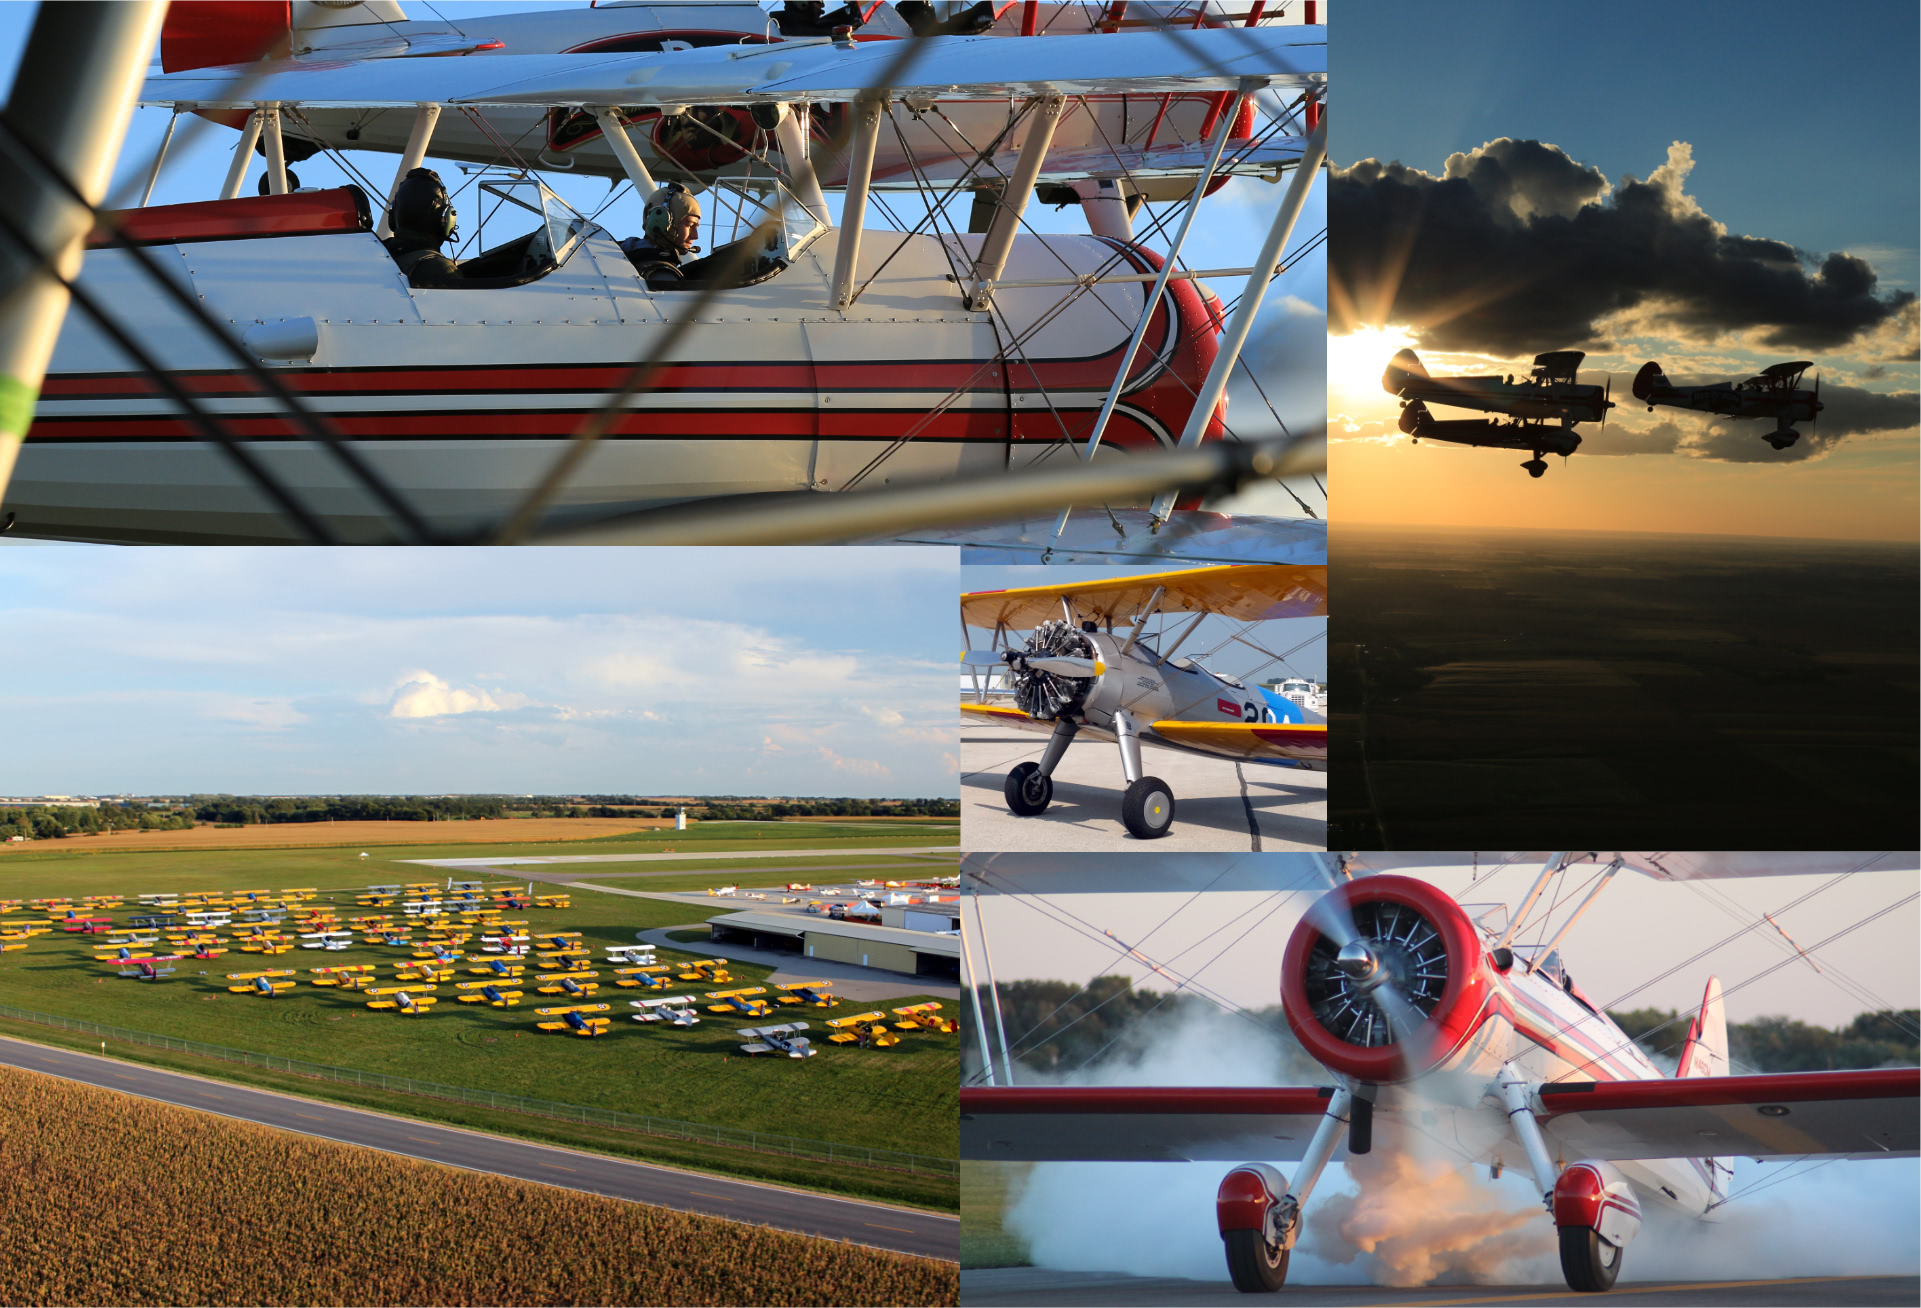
(1587, 1261)
(1147, 809)
(1027, 791)
(1256, 1266)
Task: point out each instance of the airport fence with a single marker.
(730, 1137)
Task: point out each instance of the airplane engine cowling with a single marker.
(1245, 1196)
(1443, 976)
(1594, 1194)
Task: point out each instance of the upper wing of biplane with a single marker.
(948, 67)
(1858, 1114)
(1247, 592)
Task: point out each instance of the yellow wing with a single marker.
(1289, 740)
(1248, 592)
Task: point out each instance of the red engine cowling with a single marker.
(1246, 1194)
(1390, 904)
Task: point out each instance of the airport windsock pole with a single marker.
(71, 99)
(1243, 321)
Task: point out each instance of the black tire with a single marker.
(1589, 1263)
(1147, 809)
(1535, 467)
(1027, 791)
(1251, 1261)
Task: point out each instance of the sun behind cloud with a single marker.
(1355, 361)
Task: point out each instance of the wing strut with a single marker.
(1265, 266)
(242, 152)
(614, 132)
(1013, 201)
(853, 209)
(411, 158)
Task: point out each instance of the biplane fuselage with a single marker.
(1773, 394)
(464, 396)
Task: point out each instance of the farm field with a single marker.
(902, 1098)
(284, 835)
(229, 1212)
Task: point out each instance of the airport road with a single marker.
(1030, 1286)
(905, 1230)
(1218, 804)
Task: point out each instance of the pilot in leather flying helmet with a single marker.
(423, 219)
(670, 226)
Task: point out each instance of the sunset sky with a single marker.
(1592, 185)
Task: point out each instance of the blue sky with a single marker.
(799, 671)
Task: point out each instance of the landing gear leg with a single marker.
(1029, 788)
(1257, 1260)
(1147, 809)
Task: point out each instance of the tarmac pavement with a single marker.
(1219, 804)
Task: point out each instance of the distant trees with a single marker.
(249, 810)
(58, 821)
(1781, 1044)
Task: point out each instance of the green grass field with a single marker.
(903, 1098)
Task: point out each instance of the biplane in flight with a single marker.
(1773, 393)
(572, 1019)
(678, 1010)
(1542, 407)
(782, 1039)
(1438, 1028)
(1076, 676)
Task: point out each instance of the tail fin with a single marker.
(1648, 380)
(1706, 1050)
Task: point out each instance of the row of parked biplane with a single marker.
(1543, 408)
(453, 934)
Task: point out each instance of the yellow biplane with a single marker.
(1076, 677)
(553, 901)
(572, 959)
(922, 1017)
(571, 1019)
(350, 977)
(737, 1003)
(407, 1001)
(645, 978)
(422, 972)
(865, 1030)
(808, 992)
(261, 983)
(583, 984)
(487, 992)
(712, 971)
(498, 967)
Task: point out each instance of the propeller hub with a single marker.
(1359, 965)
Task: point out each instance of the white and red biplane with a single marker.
(1431, 1025)
(830, 363)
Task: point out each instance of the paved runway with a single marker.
(1218, 804)
(1032, 1287)
(906, 1230)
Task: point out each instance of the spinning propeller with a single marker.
(1051, 673)
(1376, 975)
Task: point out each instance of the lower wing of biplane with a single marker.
(1075, 674)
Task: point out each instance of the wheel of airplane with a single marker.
(1589, 1262)
(1147, 809)
(1256, 1266)
(1780, 440)
(1535, 467)
(1027, 791)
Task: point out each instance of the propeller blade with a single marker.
(1063, 665)
(983, 658)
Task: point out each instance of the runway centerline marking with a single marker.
(1631, 1289)
(557, 1167)
(310, 1117)
(704, 1195)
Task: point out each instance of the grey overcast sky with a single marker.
(1230, 937)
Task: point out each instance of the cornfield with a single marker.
(109, 1199)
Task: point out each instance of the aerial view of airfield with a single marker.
(518, 928)
(1479, 1077)
(1622, 366)
(1104, 708)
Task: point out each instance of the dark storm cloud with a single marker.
(1517, 248)
(1847, 411)
(1619, 438)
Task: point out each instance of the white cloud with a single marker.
(423, 695)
